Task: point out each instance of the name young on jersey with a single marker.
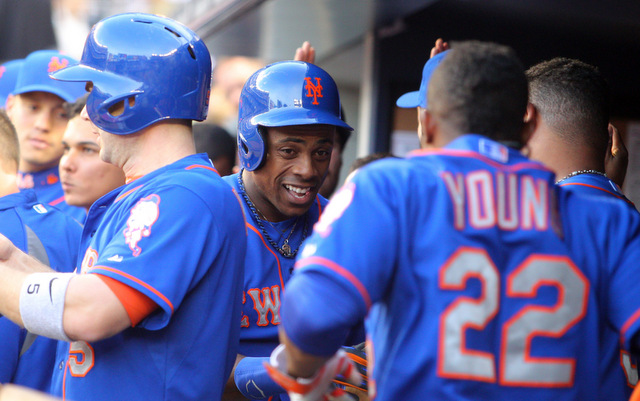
(507, 201)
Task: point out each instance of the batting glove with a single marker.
(319, 386)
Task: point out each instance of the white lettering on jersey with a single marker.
(455, 185)
(484, 202)
(271, 303)
(89, 260)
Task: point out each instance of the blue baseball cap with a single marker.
(34, 76)
(419, 97)
(8, 76)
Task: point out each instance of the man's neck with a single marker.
(159, 146)
(8, 184)
(30, 168)
(565, 159)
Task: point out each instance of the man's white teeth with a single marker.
(299, 191)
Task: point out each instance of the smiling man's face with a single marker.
(297, 162)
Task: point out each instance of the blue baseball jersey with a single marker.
(266, 274)
(594, 184)
(619, 369)
(25, 362)
(46, 184)
(473, 281)
(177, 235)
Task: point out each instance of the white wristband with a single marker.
(42, 304)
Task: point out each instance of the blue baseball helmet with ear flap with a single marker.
(153, 66)
(283, 94)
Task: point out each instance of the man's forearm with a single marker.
(10, 286)
(13, 270)
(300, 363)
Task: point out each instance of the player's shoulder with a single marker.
(394, 175)
(189, 187)
(35, 213)
(595, 213)
(194, 174)
(232, 180)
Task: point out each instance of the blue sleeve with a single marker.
(624, 282)
(9, 350)
(10, 342)
(358, 236)
(253, 381)
(161, 248)
(318, 312)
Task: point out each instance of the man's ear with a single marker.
(11, 99)
(428, 128)
(531, 121)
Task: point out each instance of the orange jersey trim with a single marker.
(627, 324)
(56, 201)
(474, 155)
(126, 194)
(601, 189)
(201, 166)
(130, 277)
(137, 305)
(319, 208)
(252, 228)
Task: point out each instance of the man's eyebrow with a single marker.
(297, 139)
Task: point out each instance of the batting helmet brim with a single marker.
(284, 117)
(107, 82)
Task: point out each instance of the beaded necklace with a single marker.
(580, 172)
(285, 250)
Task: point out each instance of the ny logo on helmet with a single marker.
(314, 91)
(55, 64)
(2, 70)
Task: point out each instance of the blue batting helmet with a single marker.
(156, 66)
(283, 94)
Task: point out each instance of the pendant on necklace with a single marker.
(286, 249)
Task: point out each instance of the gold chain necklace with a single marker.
(578, 172)
(285, 250)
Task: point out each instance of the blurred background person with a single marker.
(218, 144)
(331, 180)
(229, 76)
(36, 109)
(46, 234)
(83, 174)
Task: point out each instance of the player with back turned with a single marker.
(479, 277)
(148, 316)
(570, 109)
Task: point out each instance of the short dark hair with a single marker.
(74, 109)
(572, 98)
(480, 88)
